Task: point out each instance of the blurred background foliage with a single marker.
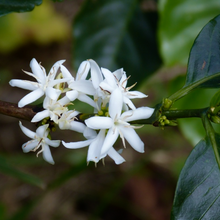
(151, 40)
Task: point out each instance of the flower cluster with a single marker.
(105, 91)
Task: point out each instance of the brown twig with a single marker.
(11, 109)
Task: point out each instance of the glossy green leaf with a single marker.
(117, 34)
(203, 65)
(8, 6)
(180, 23)
(205, 55)
(197, 194)
(9, 169)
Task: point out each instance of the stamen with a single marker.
(39, 144)
(123, 139)
(103, 161)
(124, 82)
(128, 88)
(30, 74)
(106, 91)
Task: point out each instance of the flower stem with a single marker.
(212, 137)
(184, 113)
(186, 89)
(172, 115)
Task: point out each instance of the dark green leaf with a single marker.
(117, 34)
(8, 6)
(180, 23)
(10, 170)
(215, 101)
(205, 55)
(197, 194)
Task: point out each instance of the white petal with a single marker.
(64, 100)
(52, 143)
(52, 93)
(66, 73)
(84, 86)
(128, 102)
(105, 86)
(41, 131)
(29, 146)
(95, 74)
(132, 138)
(136, 94)
(37, 71)
(89, 133)
(48, 102)
(109, 77)
(53, 82)
(110, 139)
(123, 80)
(94, 150)
(83, 70)
(27, 131)
(115, 156)
(23, 84)
(138, 114)
(77, 126)
(86, 99)
(118, 73)
(41, 115)
(54, 69)
(72, 95)
(72, 114)
(99, 122)
(78, 144)
(30, 97)
(115, 103)
(47, 154)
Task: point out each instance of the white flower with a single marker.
(118, 79)
(40, 139)
(105, 82)
(68, 120)
(95, 146)
(53, 109)
(80, 87)
(117, 124)
(44, 84)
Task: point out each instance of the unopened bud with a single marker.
(167, 103)
(215, 119)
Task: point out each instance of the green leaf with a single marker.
(8, 6)
(204, 56)
(203, 66)
(117, 34)
(10, 170)
(180, 23)
(215, 101)
(197, 194)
